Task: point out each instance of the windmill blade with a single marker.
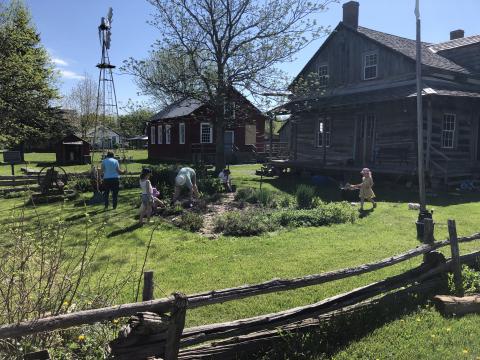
(109, 16)
(108, 39)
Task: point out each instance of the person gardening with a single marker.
(224, 177)
(186, 177)
(111, 179)
(149, 197)
(366, 192)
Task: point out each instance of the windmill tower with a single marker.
(107, 108)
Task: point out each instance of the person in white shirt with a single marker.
(148, 199)
(226, 180)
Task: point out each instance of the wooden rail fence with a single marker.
(156, 327)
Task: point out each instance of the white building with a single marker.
(103, 137)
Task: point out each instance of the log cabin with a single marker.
(362, 110)
(184, 131)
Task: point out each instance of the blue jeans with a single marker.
(112, 185)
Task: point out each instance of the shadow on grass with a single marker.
(125, 230)
(330, 334)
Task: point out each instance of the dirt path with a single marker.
(225, 204)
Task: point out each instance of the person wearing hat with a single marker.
(186, 176)
(366, 192)
(111, 178)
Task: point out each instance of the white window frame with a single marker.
(160, 134)
(210, 134)
(153, 130)
(328, 134)
(323, 75)
(452, 118)
(367, 64)
(181, 133)
(168, 134)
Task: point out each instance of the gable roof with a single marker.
(178, 109)
(453, 44)
(404, 46)
(408, 48)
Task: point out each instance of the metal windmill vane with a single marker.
(107, 108)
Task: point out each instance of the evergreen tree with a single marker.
(27, 81)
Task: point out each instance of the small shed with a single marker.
(72, 150)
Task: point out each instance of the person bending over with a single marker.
(186, 177)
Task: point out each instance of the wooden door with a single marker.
(364, 144)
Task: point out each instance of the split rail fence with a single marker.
(156, 327)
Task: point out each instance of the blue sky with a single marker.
(68, 30)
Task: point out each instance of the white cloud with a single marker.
(67, 74)
(60, 62)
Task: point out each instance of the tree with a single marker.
(209, 47)
(134, 122)
(83, 101)
(27, 81)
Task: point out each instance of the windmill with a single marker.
(106, 97)
(107, 107)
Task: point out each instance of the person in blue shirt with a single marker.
(111, 179)
(187, 177)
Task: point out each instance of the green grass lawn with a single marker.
(188, 262)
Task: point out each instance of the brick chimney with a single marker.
(350, 14)
(457, 34)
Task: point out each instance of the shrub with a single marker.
(191, 221)
(82, 184)
(15, 194)
(247, 223)
(285, 202)
(129, 182)
(244, 194)
(173, 210)
(327, 214)
(471, 280)
(304, 195)
(209, 186)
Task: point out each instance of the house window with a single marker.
(448, 131)
(206, 133)
(323, 75)
(181, 133)
(152, 134)
(168, 134)
(160, 134)
(370, 64)
(323, 134)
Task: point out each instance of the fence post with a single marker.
(456, 265)
(147, 293)
(175, 328)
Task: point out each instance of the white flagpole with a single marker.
(421, 159)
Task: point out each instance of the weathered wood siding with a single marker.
(343, 53)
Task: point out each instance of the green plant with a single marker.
(305, 195)
(129, 182)
(191, 221)
(15, 194)
(82, 184)
(173, 210)
(244, 194)
(471, 280)
(209, 185)
(247, 223)
(264, 197)
(285, 202)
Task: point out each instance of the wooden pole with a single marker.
(148, 286)
(456, 265)
(271, 136)
(175, 328)
(428, 237)
(421, 160)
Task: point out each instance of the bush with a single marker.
(82, 184)
(209, 186)
(471, 280)
(326, 214)
(130, 182)
(15, 194)
(264, 197)
(191, 221)
(173, 210)
(305, 195)
(247, 223)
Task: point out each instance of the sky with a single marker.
(68, 29)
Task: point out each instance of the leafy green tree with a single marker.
(133, 123)
(208, 47)
(27, 80)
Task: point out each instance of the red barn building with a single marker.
(184, 131)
